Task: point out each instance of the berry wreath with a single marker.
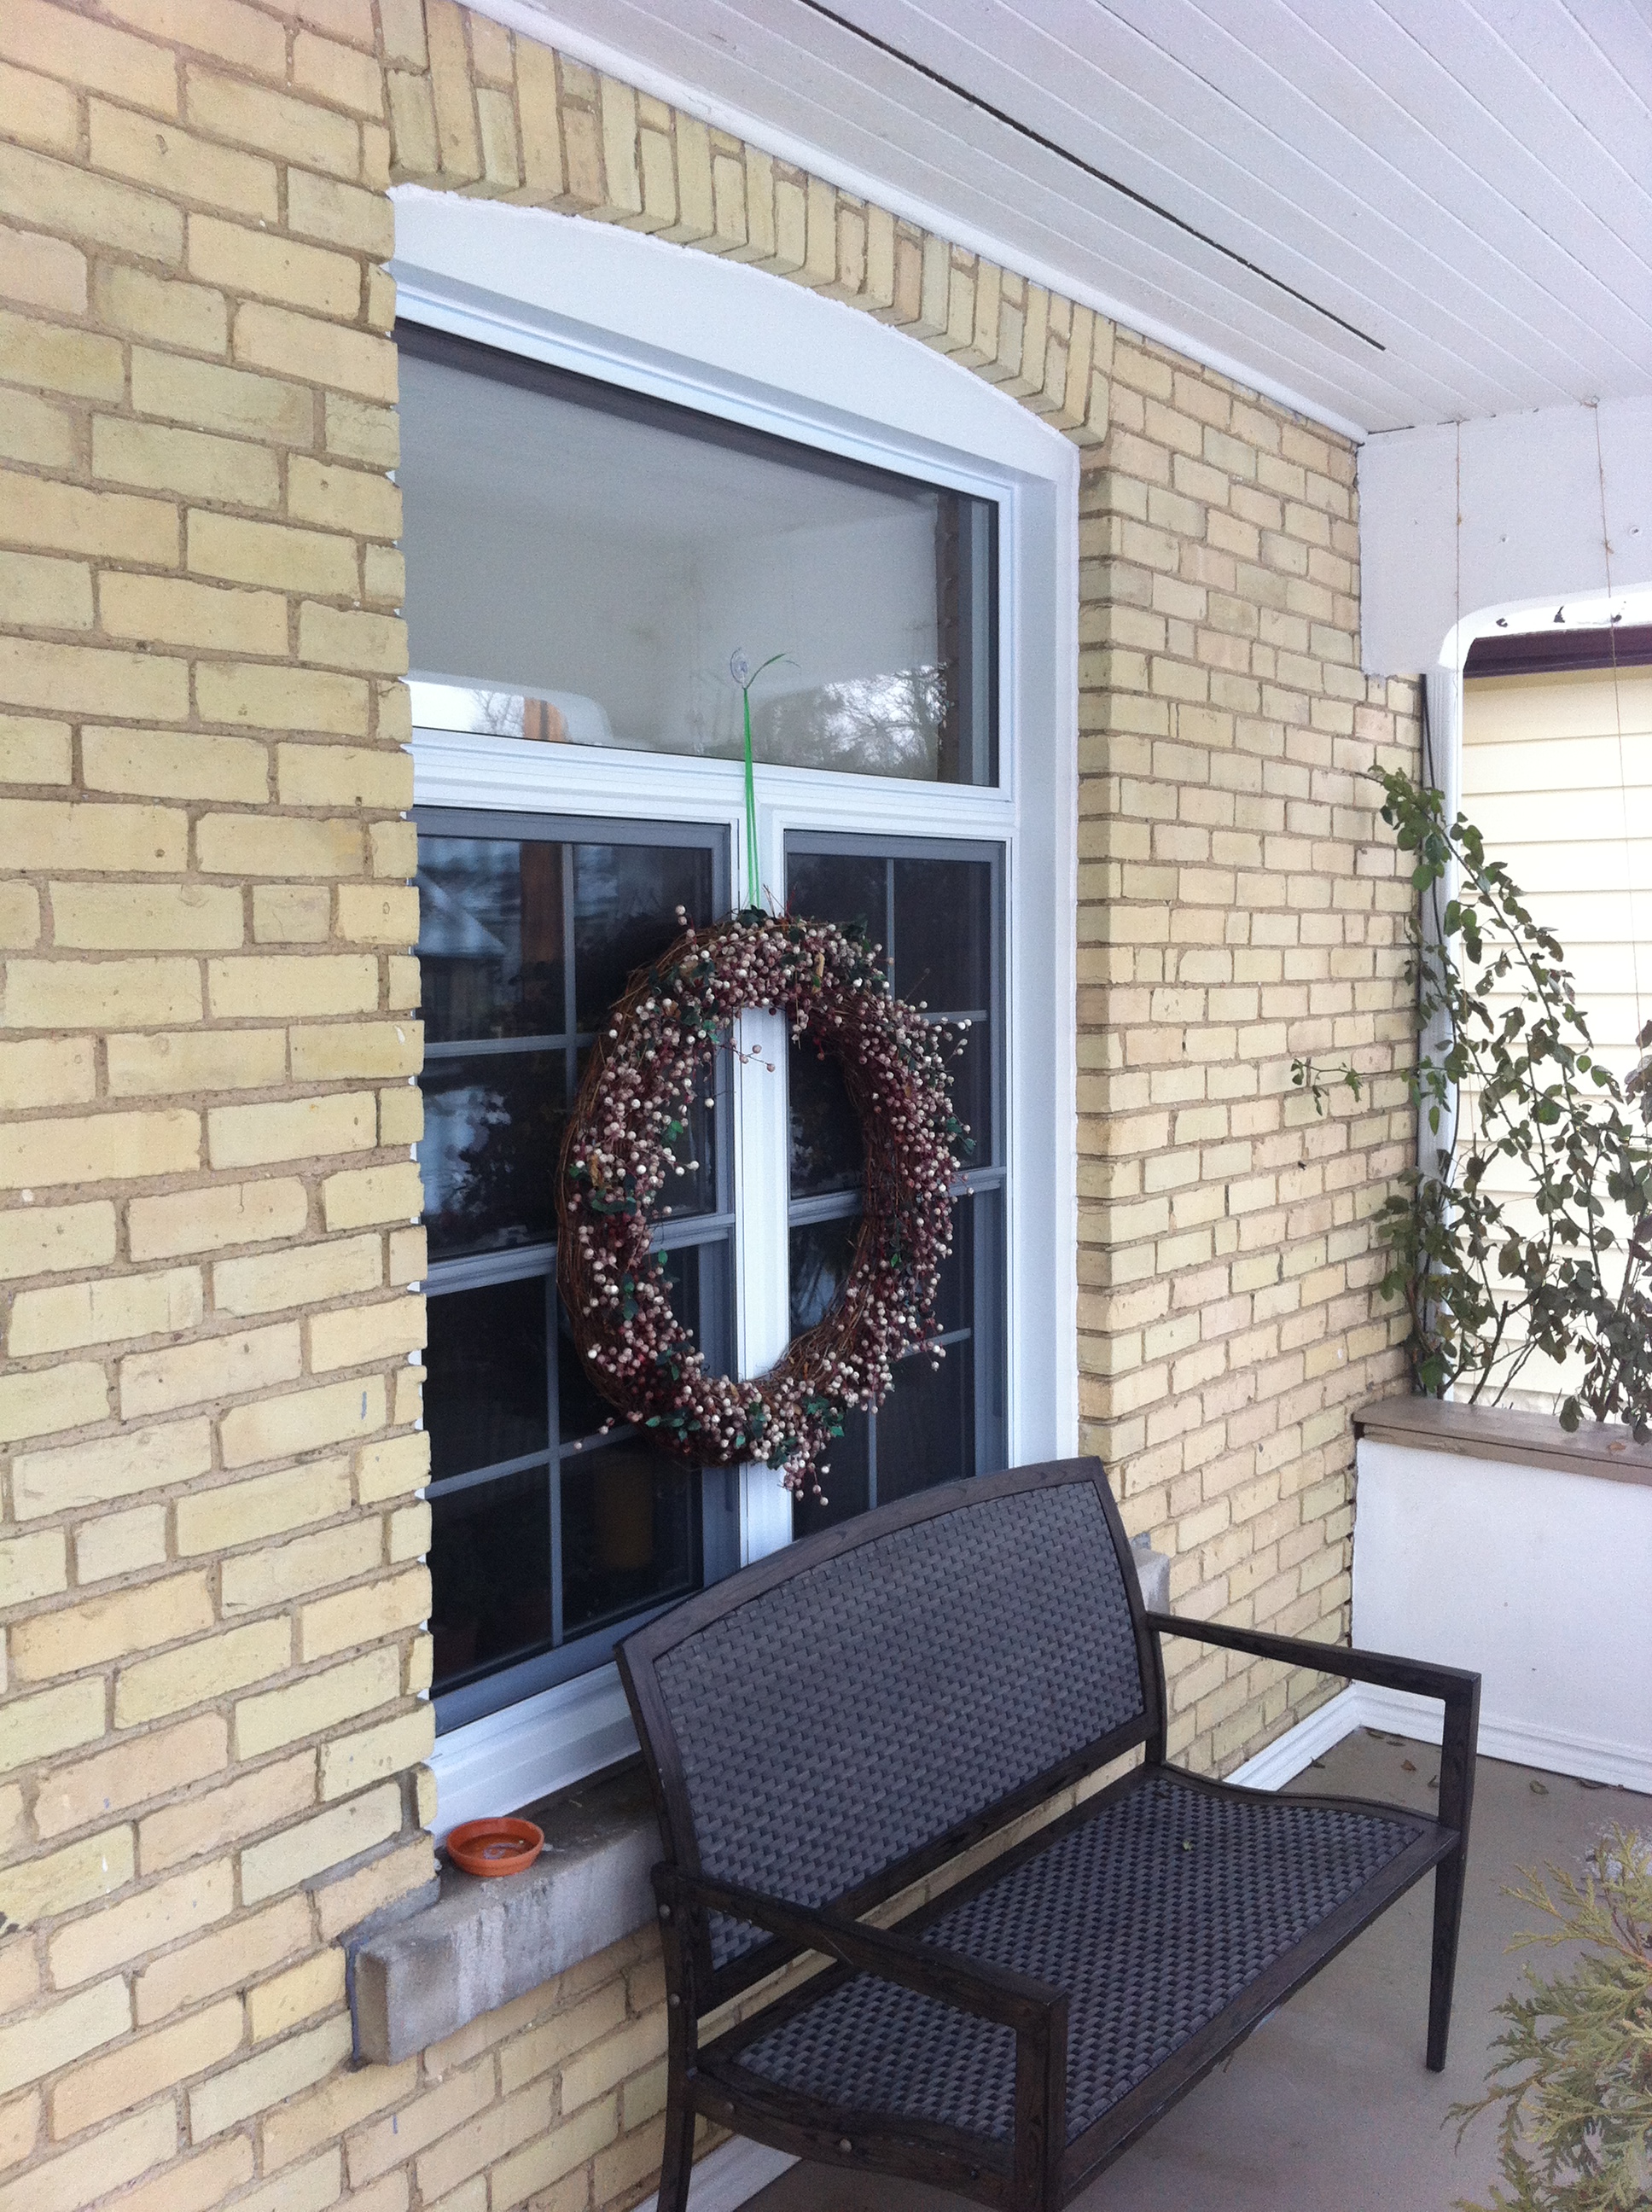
(619, 1154)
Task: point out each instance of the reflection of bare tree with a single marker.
(500, 1191)
(887, 724)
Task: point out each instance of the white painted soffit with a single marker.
(1382, 212)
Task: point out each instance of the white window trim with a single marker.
(729, 340)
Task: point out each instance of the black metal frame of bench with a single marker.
(724, 1933)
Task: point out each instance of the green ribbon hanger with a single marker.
(745, 676)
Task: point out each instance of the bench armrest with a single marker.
(971, 1985)
(1457, 1689)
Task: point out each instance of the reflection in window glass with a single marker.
(493, 1127)
(583, 561)
(485, 1364)
(628, 1532)
(490, 938)
(490, 1575)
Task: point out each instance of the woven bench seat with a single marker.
(827, 1726)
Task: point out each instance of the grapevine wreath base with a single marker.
(619, 1159)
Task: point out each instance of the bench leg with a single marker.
(677, 2163)
(1448, 1920)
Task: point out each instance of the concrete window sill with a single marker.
(1495, 1432)
(482, 1943)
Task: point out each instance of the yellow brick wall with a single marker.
(210, 1735)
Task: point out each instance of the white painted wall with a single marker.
(1536, 1578)
(1529, 490)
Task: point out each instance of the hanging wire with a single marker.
(1617, 708)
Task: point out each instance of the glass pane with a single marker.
(821, 1252)
(490, 938)
(944, 934)
(971, 1071)
(847, 888)
(827, 1153)
(955, 1300)
(844, 1481)
(925, 1425)
(628, 1532)
(581, 1409)
(493, 1126)
(485, 1394)
(490, 1575)
(625, 903)
(582, 563)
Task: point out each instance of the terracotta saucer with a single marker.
(494, 1847)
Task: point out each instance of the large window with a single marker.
(582, 563)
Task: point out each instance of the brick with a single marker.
(245, 1512)
(343, 776)
(298, 1275)
(486, 2141)
(306, 1421)
(64, 834)
(174, 612)
(375, 643)
(100, 1149)
(38, 593)
(156, 1917)
(338, 1051)
(39, 1403)
(111, 917)
(39, 272)
(75, 2177)
(212, 1367)
(35, 189)
(83, 679)
(317, 1985)
(101, 994)
(57, 1720)
(310, 2188)
(276, 268)
(56, 1239)
(242, 846)
(60, 359)
(287, 343)
(68, 519)
(340, 215)
(224, 27)
(71, 1637)
(113, 1466)
(192, 462)
(151, 1688)
(39, 113)
(87, 53)
(365, 504)
(291, 1129)
(251, 1944)
(265, 698)
(275, 2075)
(201, 2184)
(277, 1573)
(364, 1616)
(20, 915)
(32, 1567)
(356, 1198)
(104, 1311)
(142, 2069)
(120, 1544)
(207, 395)
(164, 308)
(284, 985)
(206, 1220)
(313, 1846)
(351, 1762)
(316, 1705)
(32, 429)
(391, 1875)
(33, 751)
(269, 553)
(363, 433)
(43, 1888)
(292, 914)
(216, 1820)
(361, 1335)
(274, 122)
(147, 1766)
(392, 1468)
(195, 1060)
(183, 165)
(379, 914)
(334, 73)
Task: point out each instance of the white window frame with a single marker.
(728, 340)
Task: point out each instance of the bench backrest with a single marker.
(828, 1724)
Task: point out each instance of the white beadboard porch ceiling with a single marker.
(1386, 212)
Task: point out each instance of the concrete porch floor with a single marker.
(1329, 2107)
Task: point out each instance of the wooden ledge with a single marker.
(1602, 1449)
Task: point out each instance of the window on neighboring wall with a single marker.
(582, 563)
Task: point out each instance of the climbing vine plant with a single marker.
(1516, 1097)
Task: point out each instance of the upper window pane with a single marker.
(582, 563)
(491, 954)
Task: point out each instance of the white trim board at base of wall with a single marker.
(727, 2176)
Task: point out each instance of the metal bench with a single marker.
(831, 1725)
